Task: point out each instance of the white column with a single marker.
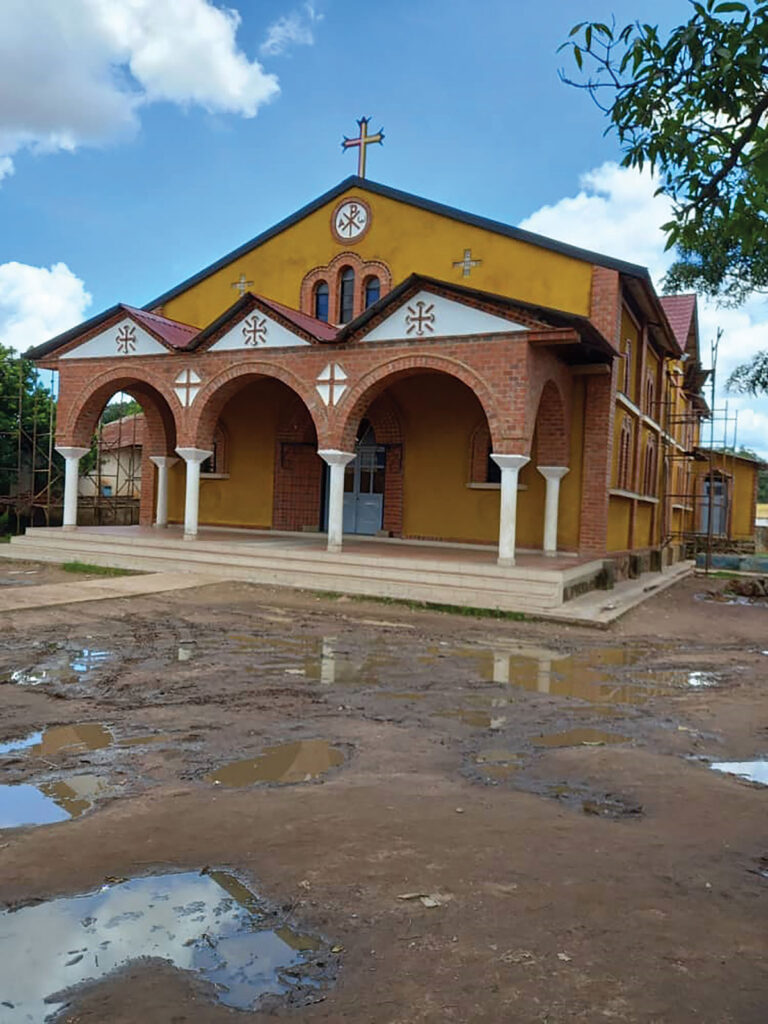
(163, 463)
(71, 458)
(336, 460)
(553, 475)
(193, 457)
(510, 466)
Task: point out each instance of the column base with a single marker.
(506, 563)
(190, 536)
(551, 554)
(69, 527)
(333, 549)
(159, 526)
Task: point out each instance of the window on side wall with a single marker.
(626, 385)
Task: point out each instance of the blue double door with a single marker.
(364, 490)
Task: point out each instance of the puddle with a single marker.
(63, 667)
(83, 736)
(289, 762)
(208, 924)
(603, 805)
(496, 763)
(478, 719)
(579, 738)
(49, 802)
(752, 771)
(320, 659)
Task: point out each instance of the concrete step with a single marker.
(467, 584)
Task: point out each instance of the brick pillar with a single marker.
(605, 303)
(147, 499)
(599, 407)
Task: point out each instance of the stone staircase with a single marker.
(438, 577)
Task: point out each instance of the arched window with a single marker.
(650, 395)
(372, 291)
(346, 295)
(321, 301)
(626, 386)
(624, 468)
(217, 464)
(649, 472)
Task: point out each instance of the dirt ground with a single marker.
(604, 880)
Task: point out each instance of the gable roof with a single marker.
(680, 310)
(172, 333)
(525, 314)
(300, 323)
(451, 212)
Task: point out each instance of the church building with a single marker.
(380, 365)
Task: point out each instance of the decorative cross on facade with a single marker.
(330, 384)
(255, 331)
(126, 339)
(467, 263)
(362, 142)
(421, 319)
(241, 284)
(187, 385)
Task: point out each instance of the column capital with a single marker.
(553, 472)
(193, 454)
(68, 452)
(334, 457)
(163, 461)
(510, 461)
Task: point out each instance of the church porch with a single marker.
(446, 574)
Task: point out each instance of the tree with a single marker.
(27, 412)
(694, 107)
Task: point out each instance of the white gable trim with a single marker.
(123, 339)
(256, 331)
(432, 316)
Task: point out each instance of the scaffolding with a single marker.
(31, 476)
(31, 494)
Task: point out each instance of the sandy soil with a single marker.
(622, 881)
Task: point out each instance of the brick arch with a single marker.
(360, 397)
(330, 275)
(217, 392)
(551, 428)
(86, 408)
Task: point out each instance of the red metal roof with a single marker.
(126, 432)
(317, 328)
(679, 310)
(172, 332)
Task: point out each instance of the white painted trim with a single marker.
(617, 492)
(492, 487)
(426, 316)
(106, 343)
(270, 334)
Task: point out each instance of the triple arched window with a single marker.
(340, 291)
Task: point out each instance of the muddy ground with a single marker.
(546, 788)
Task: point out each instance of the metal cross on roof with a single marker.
(362, 142)
(467, 263)
(241, 284)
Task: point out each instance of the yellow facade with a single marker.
(410, 240)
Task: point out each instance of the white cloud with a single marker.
(77, 73)
(37, 303)
(616, 212)
(294, 29)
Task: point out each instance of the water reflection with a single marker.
(579, 738)
(62, 667)
(753, 771)
(285, 763)
(211, 925)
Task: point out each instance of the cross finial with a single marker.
(362, 142)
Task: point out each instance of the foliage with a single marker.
(117, 410)
(752, 377)
(18, 377)
(96, 570)
(693, 107)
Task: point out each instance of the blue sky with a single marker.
(166, 170)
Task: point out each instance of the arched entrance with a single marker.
(364, 484)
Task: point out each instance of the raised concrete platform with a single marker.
(463, 575)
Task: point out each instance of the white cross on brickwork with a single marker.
(467, 263)
(187, 385)
(126, 339)
(330, 384)
(241, 284)
(420, 320)
(255, 331)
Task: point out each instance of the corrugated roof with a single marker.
(679, 310)
(173, 332)
(319, 328)
(127, 431)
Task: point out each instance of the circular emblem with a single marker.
(350, 221)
